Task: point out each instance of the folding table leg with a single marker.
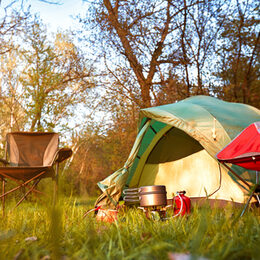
(257, 181)
(252, 194)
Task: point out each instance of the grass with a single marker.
(36, 231)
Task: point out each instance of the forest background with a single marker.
(89, 84)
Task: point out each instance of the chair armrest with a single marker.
(62, 154)
(5, 162)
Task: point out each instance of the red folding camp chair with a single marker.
(30, 157)
(244, 151)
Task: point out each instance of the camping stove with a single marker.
(152, 200)
(154, 213)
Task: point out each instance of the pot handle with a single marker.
(131, 198)
(131, 191)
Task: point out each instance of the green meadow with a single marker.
(35, 230)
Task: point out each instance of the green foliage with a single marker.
(54, 77)
(62, 232)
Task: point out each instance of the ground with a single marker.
(39, 231)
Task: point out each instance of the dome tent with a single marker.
(176, 147)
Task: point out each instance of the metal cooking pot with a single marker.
(148, 196)
(153, 196)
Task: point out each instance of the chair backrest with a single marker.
(31, 148)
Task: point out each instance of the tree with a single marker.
(101, 151)
(138, 36)
(154, 50)
(200, 27)
(11, 23)
(55, 77)
(12, 111)
(239, 56)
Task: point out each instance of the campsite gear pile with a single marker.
(176, 146)
(153, 201)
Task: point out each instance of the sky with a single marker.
(58, 16)
(55, 16)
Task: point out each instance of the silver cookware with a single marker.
(147, 196)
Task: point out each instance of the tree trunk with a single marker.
(185, 59)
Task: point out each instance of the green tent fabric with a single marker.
(176, 147)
